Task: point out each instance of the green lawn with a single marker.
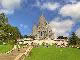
(5, 48)
(53, 53)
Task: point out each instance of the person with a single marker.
(18, 47)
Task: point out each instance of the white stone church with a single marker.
(42, 32)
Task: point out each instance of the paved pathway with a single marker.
(25, 53)
(16, 55)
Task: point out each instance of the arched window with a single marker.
(41, 33)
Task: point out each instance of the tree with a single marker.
(8, 33)
(16, 34)
(78, 41)
(3, 19)
(73, 39)
(25, 36)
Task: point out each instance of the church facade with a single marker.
(42, 30)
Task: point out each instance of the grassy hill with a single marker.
(5, 48)
(53, 53)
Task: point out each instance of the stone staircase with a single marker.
(15, 54)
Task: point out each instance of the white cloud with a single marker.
(23, 26)
(47, 5)
(61, 28)
(11, 4)
(50, 6)
(8, 6)
(0, 0)
(78, 32)
(72, 10)
(6, 11)
(73, 1)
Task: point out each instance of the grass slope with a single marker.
(5, 48)
(53, 53)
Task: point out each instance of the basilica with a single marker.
(42, 30)
(43, 33)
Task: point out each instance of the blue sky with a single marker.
(62, 15)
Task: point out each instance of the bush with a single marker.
(1, 42)
(43, 44)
